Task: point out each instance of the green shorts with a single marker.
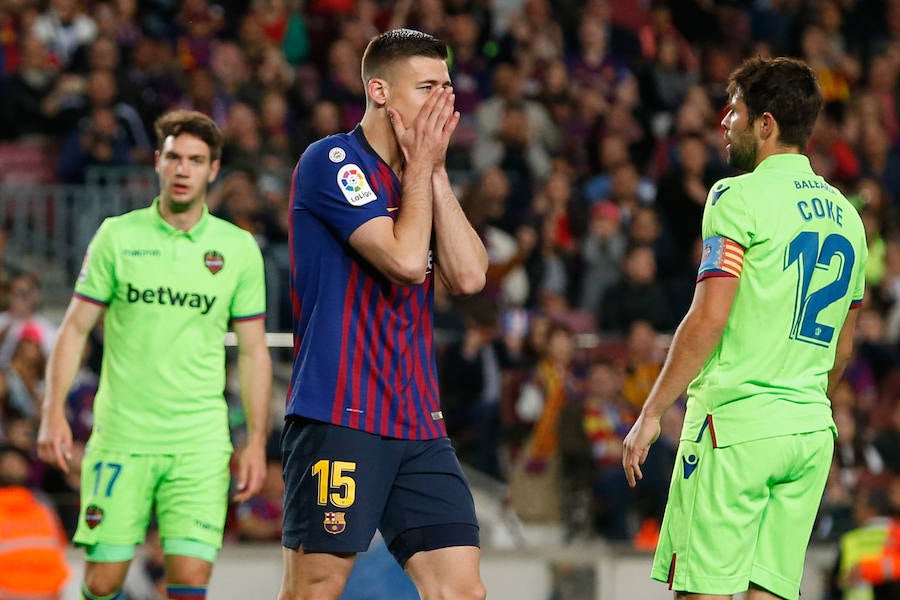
(119, 491)
(742, 514)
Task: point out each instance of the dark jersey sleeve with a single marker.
(332, 184)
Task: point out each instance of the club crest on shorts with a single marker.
(214, 261)
(93, 514)
(335, 523)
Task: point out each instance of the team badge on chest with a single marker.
(335, 523)
(214, 261)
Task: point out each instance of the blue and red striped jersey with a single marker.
(363, 346)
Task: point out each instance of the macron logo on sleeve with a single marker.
(352, 182)
(166, 296)
(717, 193)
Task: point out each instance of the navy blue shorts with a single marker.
(341, 484)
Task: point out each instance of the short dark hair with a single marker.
(195, 123)
(6, 479)
(787, 88)
(396, 44)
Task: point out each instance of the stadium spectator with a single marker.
(484, 202)
(117, 21)
(611, 152)
(99, 141)
(682, 189)
(243, 141)
(65, 29)
(23, 311)
(514, 133)
(102, 92)
(592, 66)
(868, 553)
(199, 22)
(204, 94)
(155, 82)
(879, 160)
(602, 250)
(324, 120)
(34, 92)
(342, 85)
(25, 376)
(535, 478)
(645, 229)
(532, 36)
(641, 362)
(637, 295)
(472, 385)
(32, 542)
(605, 419)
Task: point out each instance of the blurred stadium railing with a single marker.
(48, 228)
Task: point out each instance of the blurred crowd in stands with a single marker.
(589, 138)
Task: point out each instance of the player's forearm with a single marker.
(461, 255)
(62, 366)
(412, 229)
(692, 344)
(255, 370)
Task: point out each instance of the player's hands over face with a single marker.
(428, 136)
(55, 441)
(251, 472)
(637, 445)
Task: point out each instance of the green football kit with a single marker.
(160, 436)
(758, 434)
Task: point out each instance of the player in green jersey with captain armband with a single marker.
(171, 277)
(767, 336)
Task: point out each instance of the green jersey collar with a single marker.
(797, 163)
(193, 233)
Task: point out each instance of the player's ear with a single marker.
(156, 161)
(213, 170)
(377, 89)
(768, 126)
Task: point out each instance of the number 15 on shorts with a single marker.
(334, 484)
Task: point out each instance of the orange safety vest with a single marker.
(886, 566)
(32, 547)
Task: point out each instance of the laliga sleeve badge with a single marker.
(352, 182)
(93, 514)
(335, 523)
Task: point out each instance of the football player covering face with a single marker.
(185, 170)
(407, 85)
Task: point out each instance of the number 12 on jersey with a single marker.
(805, 252)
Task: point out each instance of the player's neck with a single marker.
(769, 149)
(182, 220)
(380, 135)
